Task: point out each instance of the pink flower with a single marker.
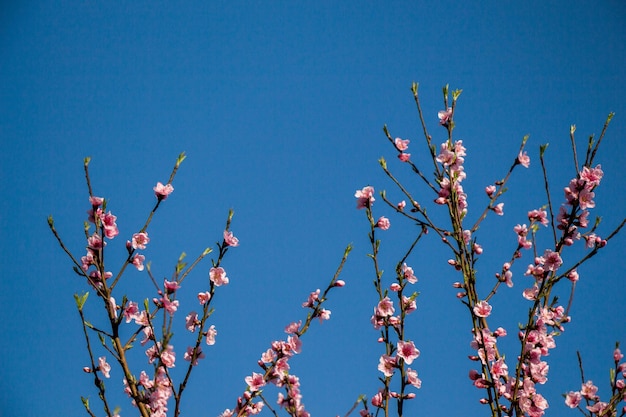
(169, 305)
(383, 223)
(617, 355)
(191, 321)
(210, 335)
(218, 276)
(404, 157)
(444, 116)
(170, 286)
(162, 191)
(292, 328)
(490, 190)
(104, 367)
(168, 356)
(402, 145)
(588, 390)
(385, 308)
(138, 261)
(190, 352)
(313, 297)
(377, 400)
(131, 311)
(409, 275)
(387, 365)
(96, 201)
(109, 225)
(204, 297)
(365, 197)
(523, 159)
(592, 176)
(411, 377)
(255, 381)
(407, 351)
(324, 315)
(539, 216)
(401, 205)
(552, 260)
(230, 239)
(95, 242)
(482, 309)
(572, 399)
(140, 240)
(498, 209)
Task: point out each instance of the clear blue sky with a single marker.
(279, 107)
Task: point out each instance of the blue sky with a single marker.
(279, 107)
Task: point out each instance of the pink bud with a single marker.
(87, 370)
(340, 283)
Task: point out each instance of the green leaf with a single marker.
(80, 300)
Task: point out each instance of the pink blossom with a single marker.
(170, 286)
(411, 377)
(409, 275)
(190, 352)
(482, 309)
(204, 297)
(401, 205)
(313, 297)
(140, 240)
(162, 191)
(137, 261)
(131, 311)
(385, 308)
(292, 328)
(87, 260)
(402, 145)
(104, 367)
(109, 225)
(552, 260)
(573, 275)
(588, 390)
(377, 400)
(409, 304)
(498, 209)
(572, 399)
(592, 176)
(339, 283)
(210, 335)
(617, 355)
(490, 190)
(383, 223)
(444, 116)
(218, 276)
(191, 321)
(96, 201)
(95, 242)
(407, 351)
(324, 315)
(170, 305)
(540, 216)
(230, 239)
(365, 197)
(404, 157)
(255, 381)
(168, 356)
(387, 365)
(523, 159)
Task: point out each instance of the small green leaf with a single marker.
(80, 300)
(542, 149)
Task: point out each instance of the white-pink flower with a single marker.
(140, 240)
(482, 309)
(230, 239)
(162, 191)
(365, 197)
(218, 276)
(407, 351)
(210, 335)
(104, 367)
(402, 144)
(383, 223)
